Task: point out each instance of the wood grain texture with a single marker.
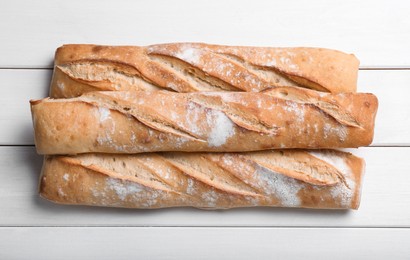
(393, 116)
(392, 120)
(18, 87)
(203, 243)
(377, 31)
(385, 200)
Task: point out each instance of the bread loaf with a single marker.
(134, 122)
(142, 121)
(283, 178)
(192, 67)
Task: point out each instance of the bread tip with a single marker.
(34, 102)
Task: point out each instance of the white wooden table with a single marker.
(378, 32)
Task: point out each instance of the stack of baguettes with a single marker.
(206, 126)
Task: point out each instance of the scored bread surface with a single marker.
(134, 122)
(192, 67)
(283, 178)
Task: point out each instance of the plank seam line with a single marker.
(26, 68)
(384, 68)
(213, 227)
(17, 145)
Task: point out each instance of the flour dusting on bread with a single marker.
(222, 128)
(104, 113)
(189, 54)
(284, 188)
(344, 191)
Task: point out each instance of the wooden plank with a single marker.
(385, 200)
(17, 88)
(390, 86)
(376, 30)
(203, 243)
(393, 116)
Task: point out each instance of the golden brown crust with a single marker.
(202, 180)
(192, 67)
(134, 122)
(287, 178)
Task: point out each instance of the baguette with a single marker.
(142, 121)
(193, 67)
(286, 178)
(282, 178)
